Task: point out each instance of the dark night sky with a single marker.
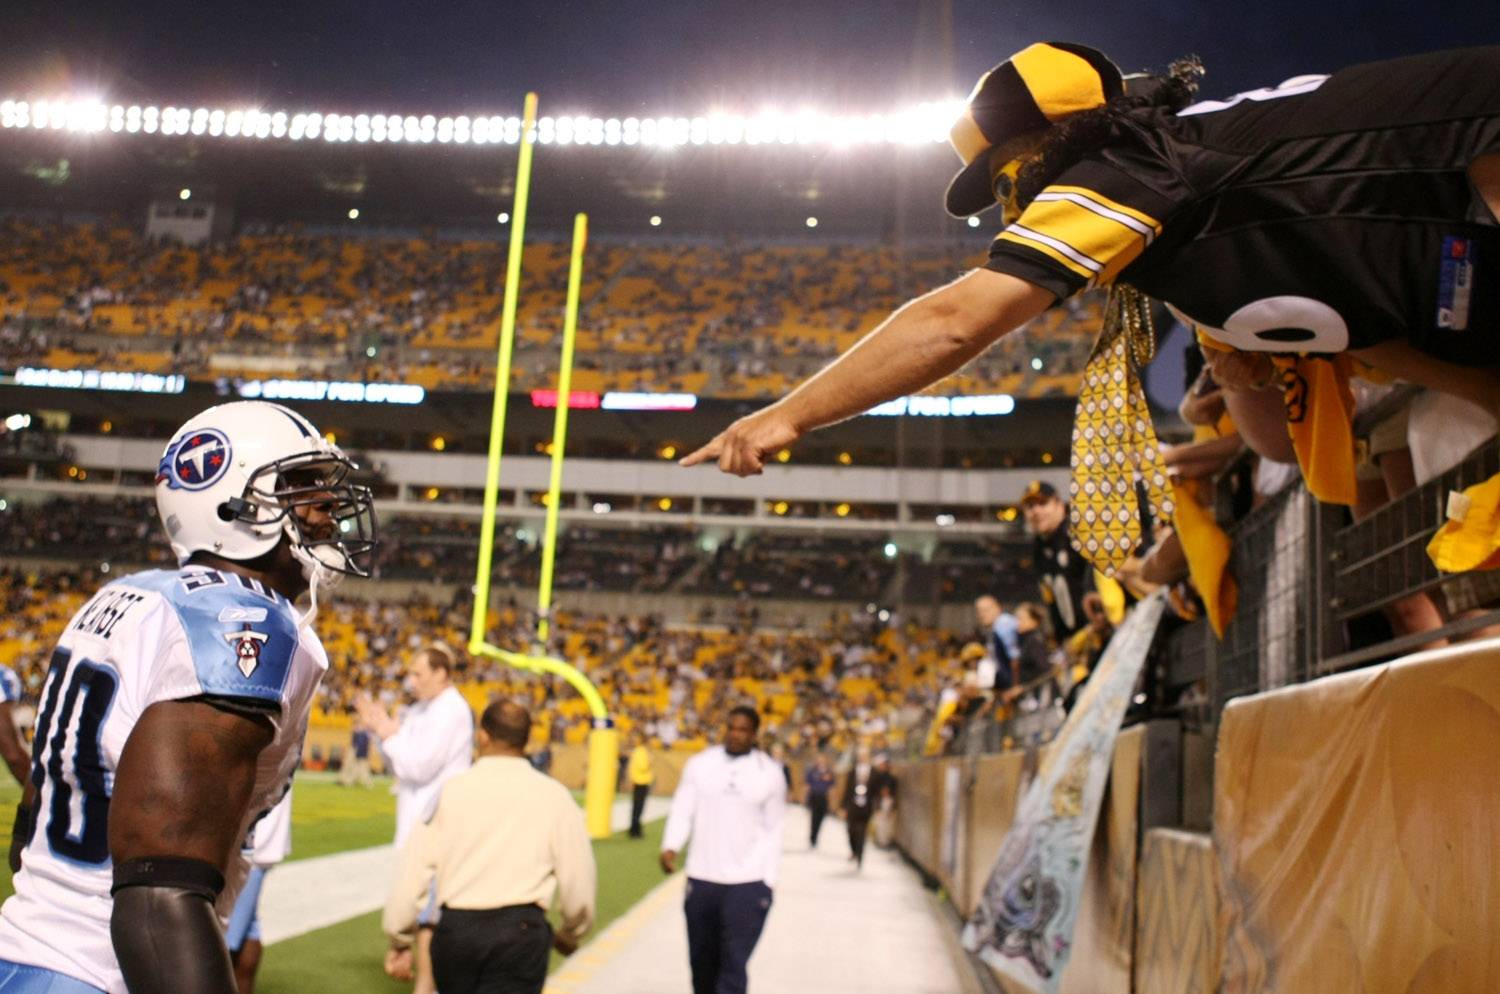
(622, 58)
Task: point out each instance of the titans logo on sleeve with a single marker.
(195, 461)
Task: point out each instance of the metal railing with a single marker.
(1305, 575)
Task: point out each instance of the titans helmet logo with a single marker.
(194, 461)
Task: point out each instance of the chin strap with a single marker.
(318, 576)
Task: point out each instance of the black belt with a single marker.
(509, 911)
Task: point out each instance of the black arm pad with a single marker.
(169, 871)
(168, 941)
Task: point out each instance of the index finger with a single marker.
(707, 452)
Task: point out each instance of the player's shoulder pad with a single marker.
(10, 685)
(242, 634)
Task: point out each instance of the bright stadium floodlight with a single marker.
(921, 123)
(184, 194)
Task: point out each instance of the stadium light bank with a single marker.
(923, 123)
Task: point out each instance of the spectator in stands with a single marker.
(503, 842)
(430, 744)
(1034, 670)
(1318, 277)
(819, 780)
(1003, 639)
(1063, 576)
(1086, 646)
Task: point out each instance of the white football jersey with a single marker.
(161, 635)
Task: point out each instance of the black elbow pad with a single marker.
(164, 929)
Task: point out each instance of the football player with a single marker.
(173, 713)
(12, 749)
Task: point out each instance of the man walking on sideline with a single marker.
(858, 805)
(731, 801)
(503, 841)
(432, 742)
(356, 768)
(820, 780)
(641, 774)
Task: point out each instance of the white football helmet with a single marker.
(231, 477)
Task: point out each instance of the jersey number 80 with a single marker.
(68, 756)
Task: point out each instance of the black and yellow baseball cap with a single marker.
(1025, 94)
(1037, 490)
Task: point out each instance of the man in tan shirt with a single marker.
(502, 842)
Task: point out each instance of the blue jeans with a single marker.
(724, 922)
(244, 921)
(16, 978)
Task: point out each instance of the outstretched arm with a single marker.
(180, 798)
(919, 344)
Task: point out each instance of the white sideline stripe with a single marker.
(308, 894)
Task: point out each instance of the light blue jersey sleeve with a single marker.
(1008, 630)
(241, 636)
(10, 686)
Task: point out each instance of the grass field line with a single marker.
(583, 965)
(308, 894)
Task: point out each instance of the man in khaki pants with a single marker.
(502, 842)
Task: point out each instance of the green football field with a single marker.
(346, 957)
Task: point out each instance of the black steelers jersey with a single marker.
(1329, 212)
(1064, 577)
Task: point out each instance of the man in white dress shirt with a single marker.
(431, 743)
(731, 801)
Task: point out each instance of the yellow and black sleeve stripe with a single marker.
(1073, 236)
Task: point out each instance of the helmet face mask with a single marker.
(337, 527)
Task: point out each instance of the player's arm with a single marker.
(927, 339)
(12, 750)
(19, 760)
(772, 815)
(679, 820)
(181, 792)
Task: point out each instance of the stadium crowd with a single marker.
(644, 560)
(849, 678)
(724, 318)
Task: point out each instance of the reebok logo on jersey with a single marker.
(195, 461)
(247, 643)
(1455, 283)
(236, 613)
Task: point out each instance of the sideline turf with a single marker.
(346, 958)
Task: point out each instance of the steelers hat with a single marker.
(1033, 89)
(1038, 490)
